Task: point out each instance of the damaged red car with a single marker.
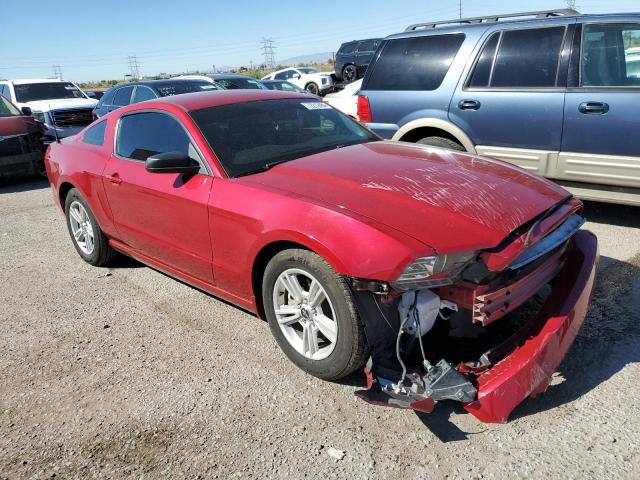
(451, 276)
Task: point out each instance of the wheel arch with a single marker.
(425, 127)
(63, 190)
(271, 249)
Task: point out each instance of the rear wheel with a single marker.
(312, 88)
(442, 142)
(350, 73)
(90, 242)
(312, 314)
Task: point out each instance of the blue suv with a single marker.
(555, 92)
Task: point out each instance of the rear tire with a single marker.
(442, 142)
(350, 73)
(90, 242)
(340, 344)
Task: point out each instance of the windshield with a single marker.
(238, 84)
(308, 70)
(284, 86)
(7, 109)
(253, 136)
(30, 92)
(185, 87)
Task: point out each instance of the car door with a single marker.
(366, 49)
(511, 105)
(600, 142)
(163, 216)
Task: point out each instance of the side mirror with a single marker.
(90, 94)
(296, 76)
(171, 162)
(26, 111)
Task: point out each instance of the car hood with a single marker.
(47, 105)
(448, 200)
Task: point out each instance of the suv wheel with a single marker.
(442, 142)
(350, 73)
(312, 314)
(312, 88)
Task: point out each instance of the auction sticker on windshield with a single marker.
(316, 106)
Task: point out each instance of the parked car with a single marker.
(353, 58)
(134, 92)
(555, 94)
(307, 78)
(282, 85)
(346, 100)
(58, 104)
(21, 147)
(95, 94)
(348, 245)
(232, 81)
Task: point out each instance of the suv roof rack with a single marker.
(564, 12)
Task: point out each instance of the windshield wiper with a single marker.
(263, 168)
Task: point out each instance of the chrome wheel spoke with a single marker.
(292, 286)
(327, 327)
(81, 228)
(309, 341)
(75, 214)
(288, 315)
(316, 294)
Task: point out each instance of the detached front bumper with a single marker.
(527, 370)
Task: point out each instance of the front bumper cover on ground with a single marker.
(527, 370)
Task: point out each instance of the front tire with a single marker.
(90, 242)
(312, 88)
(312, 314)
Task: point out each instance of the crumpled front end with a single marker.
(493, 337)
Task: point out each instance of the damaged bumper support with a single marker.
(491, 394)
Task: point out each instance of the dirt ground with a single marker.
(127, 373)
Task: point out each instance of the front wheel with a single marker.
(312, 314)
(312, 88)
(350, 73)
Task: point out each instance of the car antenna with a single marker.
(55, 130)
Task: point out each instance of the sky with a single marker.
(92, 41)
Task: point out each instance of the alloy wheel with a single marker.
(304, 314)
(81, 227)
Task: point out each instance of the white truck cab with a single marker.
(61, 105)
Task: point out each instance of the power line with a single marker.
(57, 71)
(269, 52)
(134, 66)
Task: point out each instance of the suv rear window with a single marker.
(525, 58)
(418, 63)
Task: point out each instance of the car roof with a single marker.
(507, 23)
(196, 101)
(220, 76)
(20, 81)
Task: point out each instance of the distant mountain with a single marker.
(312, 58)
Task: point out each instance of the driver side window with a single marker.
(141, 135)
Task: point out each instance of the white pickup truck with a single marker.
(60, 105)
(308, 78)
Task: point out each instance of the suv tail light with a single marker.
(364, 109)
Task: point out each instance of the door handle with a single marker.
(115, 179)
(595, 108)
(469, 105)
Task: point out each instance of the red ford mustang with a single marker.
(457, 277)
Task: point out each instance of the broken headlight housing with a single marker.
(432, 271)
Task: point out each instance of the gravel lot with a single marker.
(129, 373)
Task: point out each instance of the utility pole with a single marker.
(460, 8)
(269, 52)
(571, 4)
(134, 66)
(57, 71)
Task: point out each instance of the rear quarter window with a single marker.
(418, 63)
(95, 134)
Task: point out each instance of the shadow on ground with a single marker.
(26, 184)
(612, 214)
